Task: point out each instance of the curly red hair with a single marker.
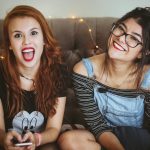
(49, 78)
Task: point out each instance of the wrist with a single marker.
(38, 139)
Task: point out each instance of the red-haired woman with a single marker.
(32, 89)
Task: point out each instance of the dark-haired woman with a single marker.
(113, 90)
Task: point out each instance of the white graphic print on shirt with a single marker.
(25, 121)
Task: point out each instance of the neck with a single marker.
(119, 69)
(27, 72)
(28, 77)
(120, 74)
(25, 77)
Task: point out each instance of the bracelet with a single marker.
(38, 139)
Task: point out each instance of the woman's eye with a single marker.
(121, 28)
(17, 35)
(34, 33)
(134, 39)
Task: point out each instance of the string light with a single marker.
(97, 47)
(2, 57)
(81, 20)
(73, 17)
(90, 30)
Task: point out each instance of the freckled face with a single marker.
(119, 49)
(26, 41)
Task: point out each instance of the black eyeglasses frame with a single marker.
(114, 26)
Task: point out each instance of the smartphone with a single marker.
(23, 144)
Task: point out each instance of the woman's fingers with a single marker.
(29, 136)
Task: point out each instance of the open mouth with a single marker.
(118, 46)
(28, 53)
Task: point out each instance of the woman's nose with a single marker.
(122, 38)
(26, 40)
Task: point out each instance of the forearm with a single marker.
(110, 141)
(49, 135)
(2, 136)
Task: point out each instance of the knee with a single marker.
(65, 141)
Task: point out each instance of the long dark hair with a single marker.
(142, 17)
(49, 78)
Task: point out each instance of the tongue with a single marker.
(28, 56)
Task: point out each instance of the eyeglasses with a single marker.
(117, 30)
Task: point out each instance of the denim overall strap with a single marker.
(146, 81)
(88, 65)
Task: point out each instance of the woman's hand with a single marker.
(11, 135)
(8, 140)
(29, 136)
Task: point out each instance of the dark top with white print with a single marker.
(29, 118)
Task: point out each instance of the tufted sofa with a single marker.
(76, 42)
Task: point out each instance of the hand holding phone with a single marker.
(17, 143)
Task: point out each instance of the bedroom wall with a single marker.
(78, 8)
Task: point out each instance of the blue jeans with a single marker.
(133, 138)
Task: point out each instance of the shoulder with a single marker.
(80, 68)
(95, 61)
(98, 60)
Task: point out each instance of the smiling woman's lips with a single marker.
(118, 46)
(28, 54)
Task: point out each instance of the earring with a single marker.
(148, 52)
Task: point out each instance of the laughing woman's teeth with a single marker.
(119, 47)
(28, 54)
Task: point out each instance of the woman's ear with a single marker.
(139, 55)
